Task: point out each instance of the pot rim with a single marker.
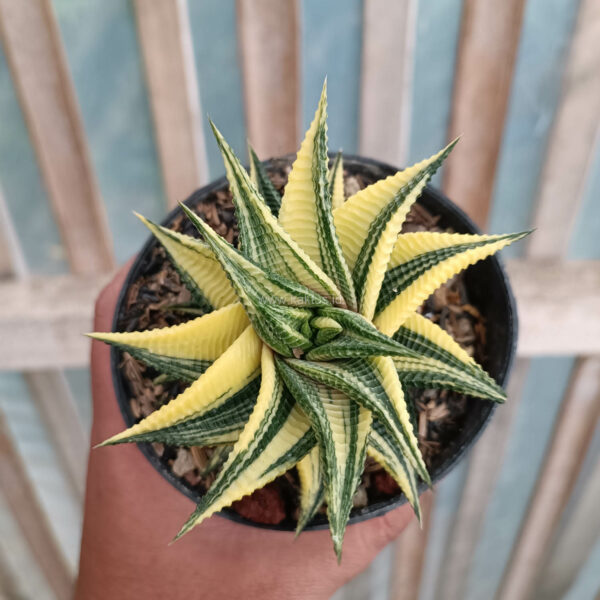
(444, 205)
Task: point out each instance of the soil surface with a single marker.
(439, 415)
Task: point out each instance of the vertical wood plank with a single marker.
(484, 467)
(574, 430)
(387, 69)
(20, 496)
(269, 39)
(35, 56)
(571, 143)
(410, 555)
(486, 55)
(11, 258)
(55, 403)
(166, 45)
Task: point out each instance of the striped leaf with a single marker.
(273, 304)
(276, 437)
(312, 487)
(379, 210)
(183, 351)
(442, 363)
(359, 338)
(219, 425)
(231, 372)
(262, 238)
(336, 182)
(383, 449)
(421, 262)
(374, 384)
(263, 183)
(306, 205)
(341, 427)
(197, 267)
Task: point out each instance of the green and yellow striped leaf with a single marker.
(197, 267)
(383, 449)
(421, 262)
(336, 182)
(374, 384)
(276, 437)
(359, 338)
(217, 426)
(263, 183)
(441, 362)
(312, 487)
(306, 205)
(341, 427)
(273, 304)
(262, 239)
(183, 351)
(369, 223)
(231, 372)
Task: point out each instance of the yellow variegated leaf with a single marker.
(312, 487)
(199, 269)
(276, 437)
(421, 262)
(336, 182)
(232, 371)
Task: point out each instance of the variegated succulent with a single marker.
(311, 330)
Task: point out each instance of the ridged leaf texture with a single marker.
(308, 333)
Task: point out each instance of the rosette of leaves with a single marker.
(310, 333)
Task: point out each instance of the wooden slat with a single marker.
(51, 394)
(268, 33)
(12, 261)
(572, 139)
(33, 48)
(20, 496)
(166, 45)
(573, 546)
(575, 427)
(45, 317)
(484, 468)
(557, 304)
(387, 61)
(410, 555)
(486, 56)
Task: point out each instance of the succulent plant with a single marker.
(311, 330)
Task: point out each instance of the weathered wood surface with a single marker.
(44, 318)
(166, 45)
(35, 55)
(269, 39)
(487, 50)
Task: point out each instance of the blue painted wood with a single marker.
(331, 46)
(213, 25)
(448, 494)
(41, 464)
(532, 429)
(380, 573)
(587, 584)
(103, 55)
(585, 240)
(438, 27)
(547, 28)
(22, 186)
(79, 383)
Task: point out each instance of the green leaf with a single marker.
(336, 182)
(341, 427)
(306, 206)
(383, 449)
(369, 383)
(271, 302)
(262, 238)
(263, 183)
(276, 437)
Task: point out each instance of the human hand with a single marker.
(132, 513)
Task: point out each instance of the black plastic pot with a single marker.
(488, 289)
